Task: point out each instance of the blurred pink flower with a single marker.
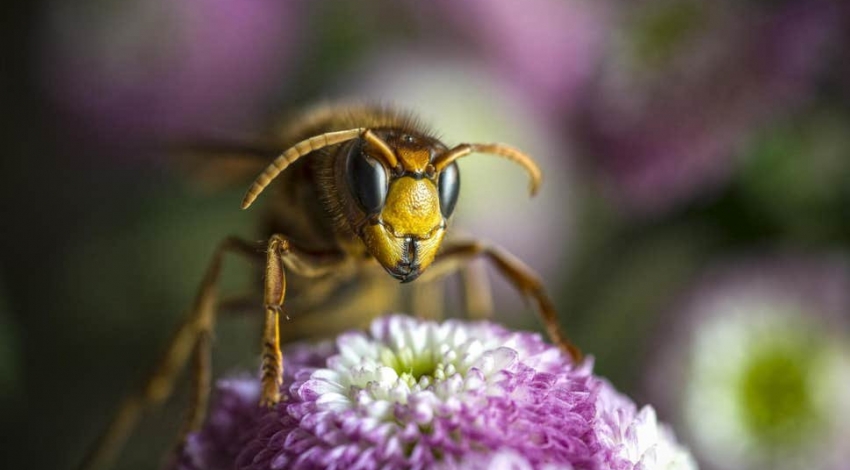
(549, 48)
(688, 82)
(128, 72)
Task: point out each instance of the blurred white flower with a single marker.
(757, 369)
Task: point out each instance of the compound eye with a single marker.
(367, 179)
(449, 187)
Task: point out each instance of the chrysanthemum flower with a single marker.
(757, 371)
(686, 83)
(418, 394)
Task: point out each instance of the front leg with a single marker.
(456, 255)
(280, 256)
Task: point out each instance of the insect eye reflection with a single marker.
(367, 179)
(449, 187)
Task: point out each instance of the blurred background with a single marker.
(694, 224)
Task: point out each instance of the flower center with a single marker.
(412, 366)
(775, 391)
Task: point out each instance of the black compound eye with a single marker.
(367, 179)
(449, 187)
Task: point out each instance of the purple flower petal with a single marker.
(418, 394)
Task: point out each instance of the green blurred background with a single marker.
(674, 135)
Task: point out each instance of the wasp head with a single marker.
(402, 189)
(405, 201)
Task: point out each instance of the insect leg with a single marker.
(518, 274)
(360, 297)
(281, 255)
(193, 334)
(428, 292)
(477, 296)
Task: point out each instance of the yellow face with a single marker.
(406, 205)
(408, 232)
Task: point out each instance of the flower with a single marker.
(688, 82)
(419, 394)
(548, 48)
(131, 72)
(757, 367)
